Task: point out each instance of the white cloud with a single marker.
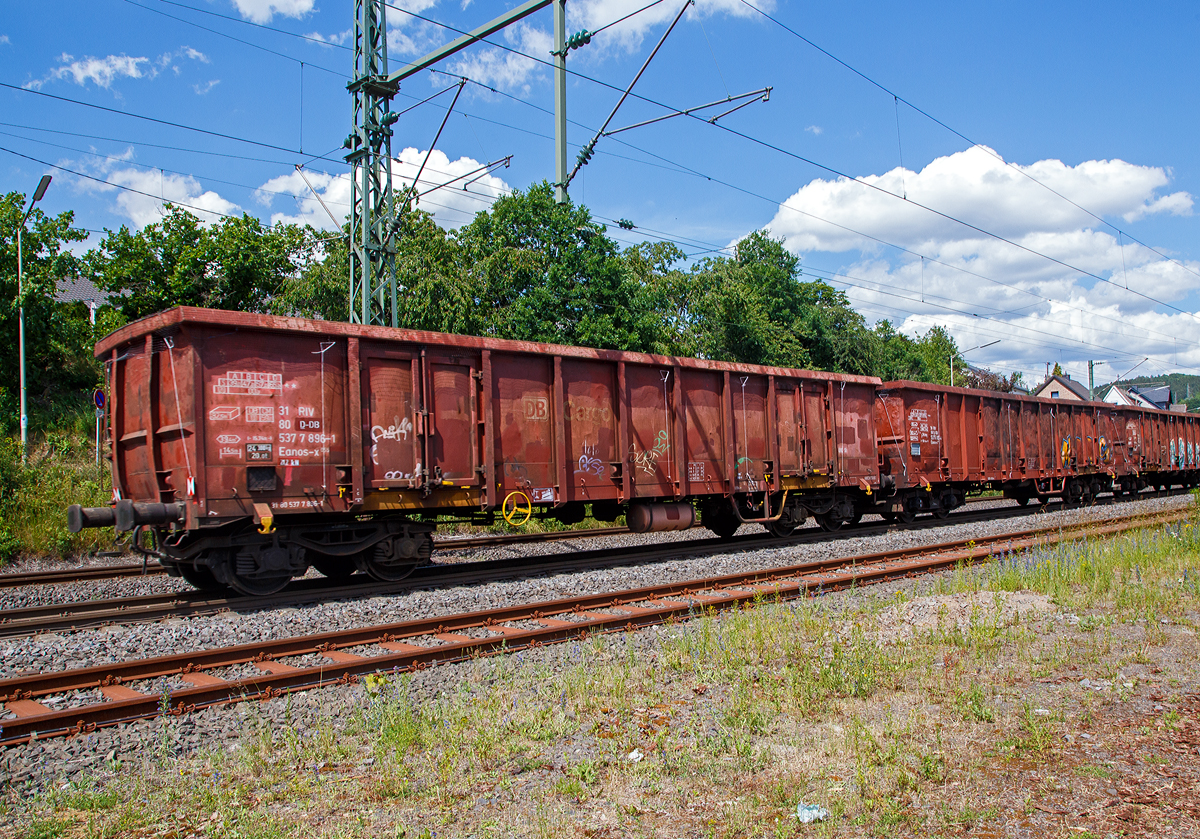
(104, 71)
(100, 71)
(503, 68)
(4, 39)
(261, 11)
(510, 71)
(180, 189)
(815, 129)
(628, 35)
(202, 89)
(336, 39)
(451, 206)
(1042, 310)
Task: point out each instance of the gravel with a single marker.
(35, 765)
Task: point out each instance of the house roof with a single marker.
(79, 290)
(1070, 384)
(1160, 395)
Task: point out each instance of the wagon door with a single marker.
(525, 418)
(791, 444)
(704, 426)
(749, 396)
(391, 417)
(818, 451)
(651, 393)
(453, 438)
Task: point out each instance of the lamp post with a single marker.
(37, 196)
(964, 352)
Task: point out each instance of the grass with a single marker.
(60, 469)
(715, 727)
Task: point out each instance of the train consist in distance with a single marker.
(246, 448)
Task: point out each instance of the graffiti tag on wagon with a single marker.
(590, 464)
(647, 461)
(398, 430)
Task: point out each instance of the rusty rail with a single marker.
(82, 614)
(413, 645)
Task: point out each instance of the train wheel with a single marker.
(723, 528)
(386, 573)
(200, 576)
(720, 520)
(778, 528)
(258, 570)
(394, 559)
(888, 517)
(941, 513)
(829, 522)
(1022, 500)
(333, 567)
(906, 517)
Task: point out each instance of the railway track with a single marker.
(153, 569)
(69, 616)
(190, 681)
(53, 617)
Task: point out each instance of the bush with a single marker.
(60, 470)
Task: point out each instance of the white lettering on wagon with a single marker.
(260, 413)
(224, 413)
(247, 383)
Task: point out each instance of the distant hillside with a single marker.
(1181, 385)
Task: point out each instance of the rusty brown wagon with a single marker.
(247, 447)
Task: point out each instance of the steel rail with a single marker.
(70, 616)
(449, 543)
(104, 572)
(413, 645)
(73, 615)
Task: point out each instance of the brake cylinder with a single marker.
(650, 518)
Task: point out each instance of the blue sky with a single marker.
(1095, 101)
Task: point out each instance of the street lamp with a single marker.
(37, 196)
(964, 352)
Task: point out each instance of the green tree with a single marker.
(536, 270)
(894, 356)
(236, 263)
(58, 336)
(320, 289)
(938, 348)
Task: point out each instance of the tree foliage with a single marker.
(235, 263)
(58, 338)
(528, 268)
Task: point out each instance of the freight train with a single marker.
(246, 448)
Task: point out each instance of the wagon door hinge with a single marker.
(477, 374)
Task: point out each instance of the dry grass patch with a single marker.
(988, 706)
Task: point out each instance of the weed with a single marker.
(45, 828)
(973, 705)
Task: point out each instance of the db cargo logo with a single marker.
(537, 409)
(228, 439)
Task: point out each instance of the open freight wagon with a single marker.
(938, 443)
(247, 447)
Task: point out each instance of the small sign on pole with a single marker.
(98, 401)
